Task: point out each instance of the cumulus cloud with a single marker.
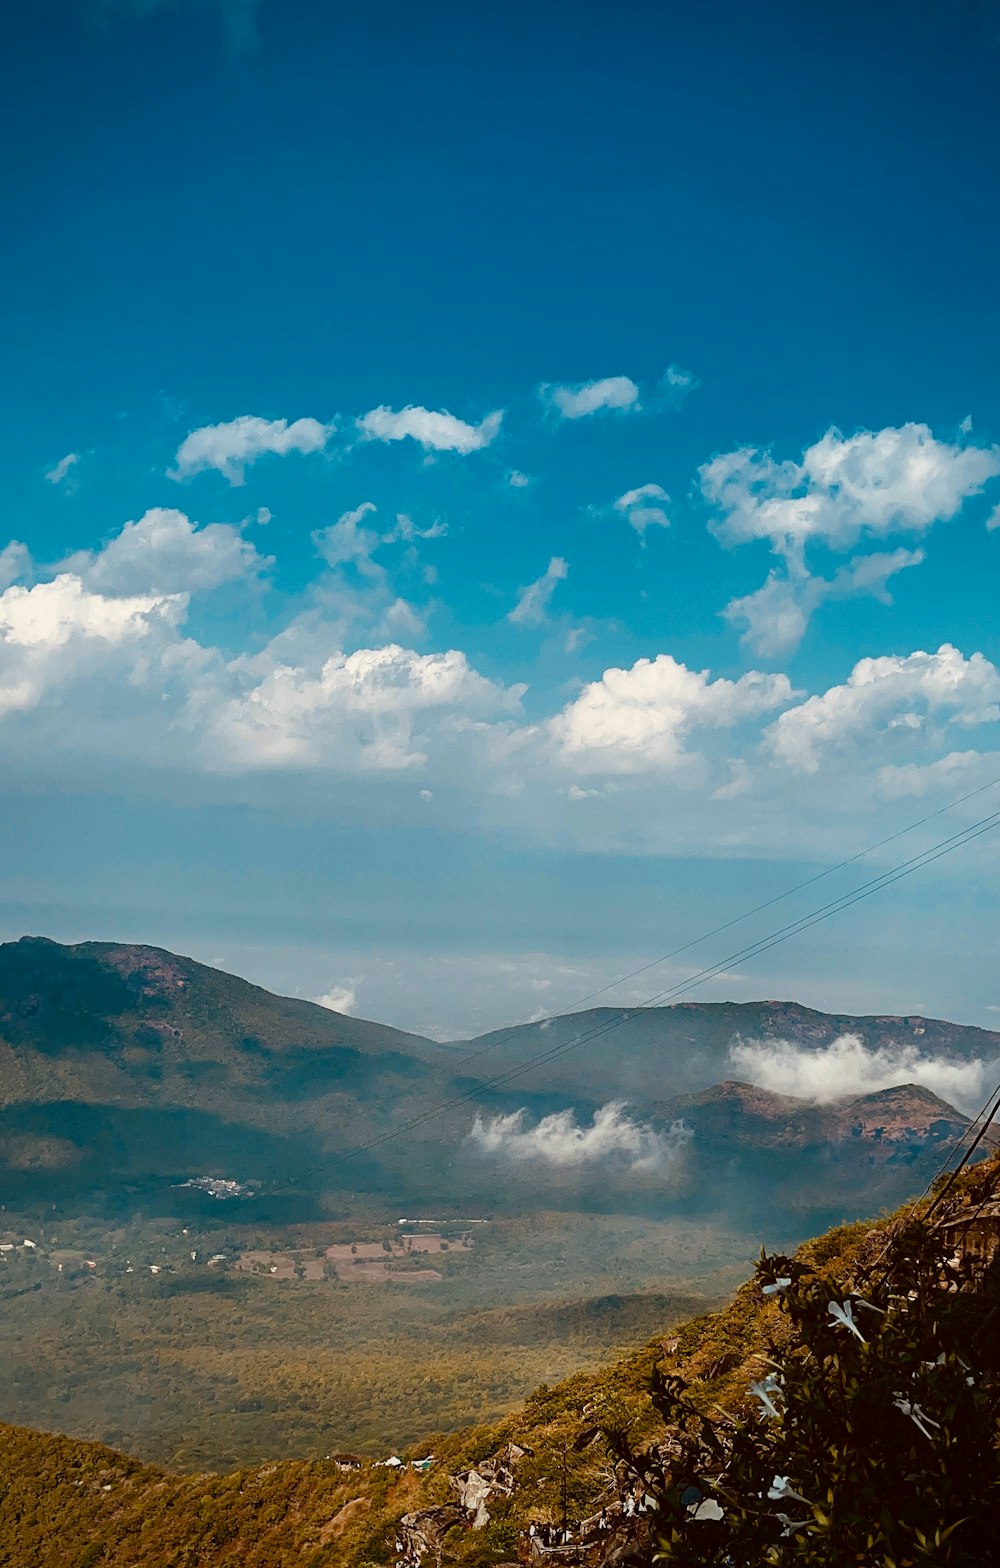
(874, 483)
(774, 618)
(890, 693)
(115, 675)
(640, 718)
(435, 431)
(230, 448)
(358, 710)
(845, 489)
(165, 552)
(533, 601)
(639, 509)
(613, 394)
(15, 560)
(59, 633)
(847, 1068)
(612, 1138)
(62, 469)
(340, 998)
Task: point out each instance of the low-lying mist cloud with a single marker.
(613, 1137)
(847, 1067)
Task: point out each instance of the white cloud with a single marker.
(533, 601)
(346, 541)
(619, 394)
(775, 617)
(517, 480)
(15, 560)
(402, 619)
(957, 769)
(59, 472)
(639, 718)
(165, 552)
(434, 431)
(993, 521)
(230, 448)
(884, 694)
(340, 998)
(636, 508)
(870, 574)
(407, 530)
(358, 710)
(58, 633)
(614, 394)
(848, 1068)
(613, 1138)
(874, 483)
(50, 614)
(678, 380)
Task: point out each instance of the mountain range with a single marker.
(127, 1068)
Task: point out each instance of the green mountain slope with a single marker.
(683, 1048)
(129, 1069)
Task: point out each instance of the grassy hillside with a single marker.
(72, 1505)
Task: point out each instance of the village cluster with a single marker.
(402, 1258)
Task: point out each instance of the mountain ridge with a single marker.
(127, 1064)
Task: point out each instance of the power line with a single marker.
(986, 1115)
(774, 939)
(654, 963)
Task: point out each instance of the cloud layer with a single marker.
(559, 1141)
(848, 1068)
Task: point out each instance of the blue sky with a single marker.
(494, 491)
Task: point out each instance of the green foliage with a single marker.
(873, 1436)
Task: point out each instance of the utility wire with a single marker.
(986, 1117)
(496, 1041)
(759, 908)
(774, 939)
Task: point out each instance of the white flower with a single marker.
(791, 1525)
(763, 1392)
(916, 1415)
(780, 1489)
(861, 1302)
(845, 1315)
(779, 1284)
